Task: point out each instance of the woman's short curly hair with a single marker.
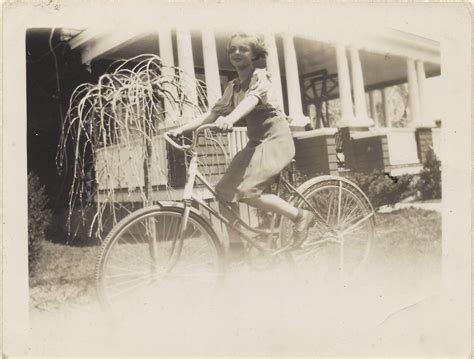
(256, 44)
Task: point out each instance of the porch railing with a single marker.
(121, 166)
(237, 140)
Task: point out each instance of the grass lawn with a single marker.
(65, 274)
(408, 241)
(407, 251)
(408, 234)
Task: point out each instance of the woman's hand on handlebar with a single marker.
(224, 123)
(174, 138)
(176, 132)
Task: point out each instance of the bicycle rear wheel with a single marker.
(338, 245)
(143, 260)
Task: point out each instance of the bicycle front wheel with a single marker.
(339, 242)
(144, 259)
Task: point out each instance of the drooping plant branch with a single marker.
(119, 120)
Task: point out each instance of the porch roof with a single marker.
(382, 51)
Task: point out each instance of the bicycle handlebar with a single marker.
(194, 143)
(173, 143)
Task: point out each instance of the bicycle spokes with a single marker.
(152, 252)
(340, 241)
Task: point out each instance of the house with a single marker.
(403, 50)
(312, 71)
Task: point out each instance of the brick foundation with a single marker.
(371, 153)
(316, 154)
(364, 154)
(424, 141)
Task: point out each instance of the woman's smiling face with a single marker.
(240, 52)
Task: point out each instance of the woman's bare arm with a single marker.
(208, 117)
(243, 108)
(246, 106)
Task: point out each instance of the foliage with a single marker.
(129, 107)
(383, 189)
(39, 217)
(429, 183)
(398, 107)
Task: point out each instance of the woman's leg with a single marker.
(302, 218)
(272, 203)
(235, 242)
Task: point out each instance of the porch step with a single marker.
(411, 169)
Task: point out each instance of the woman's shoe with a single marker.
(303, 221)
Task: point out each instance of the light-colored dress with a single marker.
(270, 147)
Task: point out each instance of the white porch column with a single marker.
(359, 91)
(313, 116)
(186, 64)
(293, 82)
(413, 94)
(347, 114)
(166, 55)
(166, 46)
(386, 107)
(373, 108)
(421, 77)
(273, 66)
(211, 67)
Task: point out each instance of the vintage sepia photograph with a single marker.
(224, 179)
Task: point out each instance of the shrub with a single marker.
(381, 188)
(429, 183)
(39, 217)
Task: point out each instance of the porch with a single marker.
(335, 86)
(120, 171)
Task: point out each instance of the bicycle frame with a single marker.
(189, 198)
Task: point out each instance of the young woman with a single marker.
(270, 147)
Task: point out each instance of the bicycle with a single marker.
(157, 245)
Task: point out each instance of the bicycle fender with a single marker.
(177, 204)
(312, 181)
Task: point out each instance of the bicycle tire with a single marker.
(328, 238)
(125, 251)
